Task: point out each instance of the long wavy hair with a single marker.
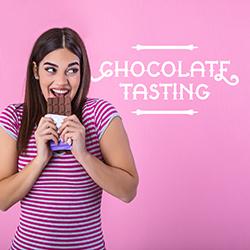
(35, 105)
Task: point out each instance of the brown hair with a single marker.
(35, 105)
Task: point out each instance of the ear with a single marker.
(35, 70)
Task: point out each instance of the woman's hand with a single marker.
(46, 130)
(73, 129)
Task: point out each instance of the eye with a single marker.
(72, 71)
(50, 70)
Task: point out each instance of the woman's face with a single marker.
(59, 74)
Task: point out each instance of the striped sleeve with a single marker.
(104, 113)
(9, 121)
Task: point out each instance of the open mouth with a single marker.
(58, 93)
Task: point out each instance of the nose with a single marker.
(62, 79)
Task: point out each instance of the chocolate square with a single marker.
(59, 105)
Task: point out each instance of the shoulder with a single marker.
(103, 105)
(10, 119)
(16, 107)
(97, 105)
(102, 112)
(14, 110)
(94, 101)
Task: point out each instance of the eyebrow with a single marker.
(52, 64)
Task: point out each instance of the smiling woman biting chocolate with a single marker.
(61, 192)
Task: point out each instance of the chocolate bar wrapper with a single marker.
(61, 145)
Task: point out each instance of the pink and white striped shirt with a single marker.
(63, 208)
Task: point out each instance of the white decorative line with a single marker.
(164, 47)
(164, 112)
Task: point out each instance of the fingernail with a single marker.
(69, 141)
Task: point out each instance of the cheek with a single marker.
(44, 88)
(44, 84)
(75, 82)
(43, 75)
(44, 80)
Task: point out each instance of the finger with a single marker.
(46, 119)
(46, 128)
(73, 135)
(49, 125)
(72, 118)
(80, 130)
(71, 121)
(66, 131)
(51, 137)
(69, 138)
(46, 122)
(49, 131)
(67, 124)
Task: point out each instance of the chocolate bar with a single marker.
(58, 108)
(59, 105)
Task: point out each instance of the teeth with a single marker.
(60, 91)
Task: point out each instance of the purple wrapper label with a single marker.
(60, 146)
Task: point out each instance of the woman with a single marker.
(60, 192)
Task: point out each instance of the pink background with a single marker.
(194, 170)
